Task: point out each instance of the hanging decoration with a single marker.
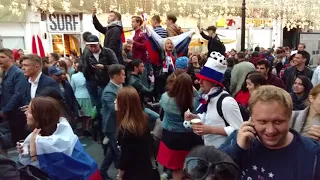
(292, 13)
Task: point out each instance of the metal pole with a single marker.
(243, 25)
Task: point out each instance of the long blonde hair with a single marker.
(130, 115)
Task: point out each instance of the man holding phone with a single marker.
(266, 148)
(95, 70)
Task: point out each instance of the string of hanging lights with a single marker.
(292, 13)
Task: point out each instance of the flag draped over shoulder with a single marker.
(155, 44)
(62, 156)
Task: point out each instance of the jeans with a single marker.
(153, 116)
(111, 154)
(95, 92)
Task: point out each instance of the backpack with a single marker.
(243, 110)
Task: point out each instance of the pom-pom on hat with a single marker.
(214, 69)
(182, 62)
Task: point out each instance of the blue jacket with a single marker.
(172, 118)
(298, 161)
(108, 97)
(44, 81)
(14, 86)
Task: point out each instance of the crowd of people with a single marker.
(219, 115)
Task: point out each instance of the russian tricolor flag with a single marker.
(62, 156)
(153, 50)
(155, 44)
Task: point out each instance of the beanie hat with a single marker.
(182, 62)
(214, 69)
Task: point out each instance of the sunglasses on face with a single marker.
(200, 169)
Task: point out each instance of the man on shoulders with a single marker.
(265, 144)
(109, 124)
(155, 22)
(214, 43)
(172, 28)
(139, 40)
(263, 66)
(113, 32)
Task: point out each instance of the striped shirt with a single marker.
(161, 32)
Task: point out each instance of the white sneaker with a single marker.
(105, 140)
(164, 176)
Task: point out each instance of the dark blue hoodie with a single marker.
(300, 160)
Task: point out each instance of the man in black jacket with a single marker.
(300, 68)
(95, 70)
(214, 43)
(112, 32)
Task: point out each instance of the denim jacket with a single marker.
(13, 89)
(172, 119)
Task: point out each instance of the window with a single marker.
(13, 42)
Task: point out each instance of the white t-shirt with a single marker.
(34, 85)
(231, 113)
(97, 55)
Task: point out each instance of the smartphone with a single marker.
(255, 134)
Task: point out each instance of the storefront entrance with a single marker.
(64, 44)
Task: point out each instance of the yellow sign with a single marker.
(148, 22)
(259, 22)
(221, 22)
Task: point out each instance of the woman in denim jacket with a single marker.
(176, 139)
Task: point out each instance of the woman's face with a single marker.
(250, 86)
(116, 105)
(30, 119)
(315, 103)
(76, 65)
(194, 59)
(298, 88)
(169, 45)
(20, 52)
(288, 54)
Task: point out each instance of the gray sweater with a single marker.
(299, 121)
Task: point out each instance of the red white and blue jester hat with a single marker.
(214, 69)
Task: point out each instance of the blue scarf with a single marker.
(204, 102)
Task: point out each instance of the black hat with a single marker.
(212, 28)
(92, 39)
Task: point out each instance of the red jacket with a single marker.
(242, 97)
(274, 80)
(139, 46)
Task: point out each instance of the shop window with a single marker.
(13, 42)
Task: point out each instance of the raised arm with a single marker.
(98, 25)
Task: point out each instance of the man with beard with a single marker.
(113, 32)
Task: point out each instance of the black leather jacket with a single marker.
(291, 73)
(98, 77)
